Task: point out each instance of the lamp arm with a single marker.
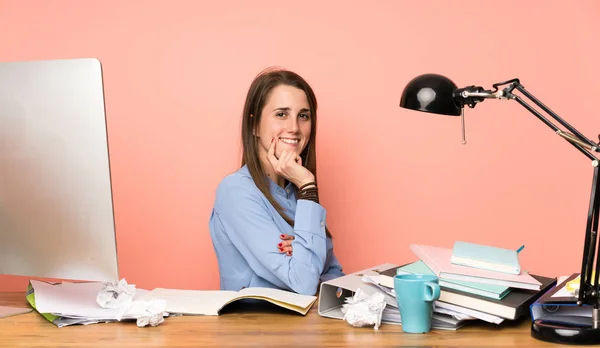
(472, 95)
(580, 144)
(589, 290)
(577, 136)
(437, 94)
(588, 287)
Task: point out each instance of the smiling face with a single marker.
(286, 118)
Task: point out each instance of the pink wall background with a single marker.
(176, 73)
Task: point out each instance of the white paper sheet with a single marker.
(563, 292)
(199, 302)
(76, 300)
(10, 311)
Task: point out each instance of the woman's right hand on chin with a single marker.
(289, 165)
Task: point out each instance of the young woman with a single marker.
(267, 226)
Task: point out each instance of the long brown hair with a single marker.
(255, 102)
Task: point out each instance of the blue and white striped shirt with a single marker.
(245, 230)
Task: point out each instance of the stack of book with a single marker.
(480, 281)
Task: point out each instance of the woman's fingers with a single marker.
(288, 165)
(282, 164)
(271, 154)
(290, 158)
(285, 244)
(285, 247)
(287, 160)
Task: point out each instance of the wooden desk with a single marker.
(260, 326)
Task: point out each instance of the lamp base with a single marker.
(570, 330)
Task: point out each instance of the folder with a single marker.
(332, 293)
(554, 306)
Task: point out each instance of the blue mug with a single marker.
(415, 294)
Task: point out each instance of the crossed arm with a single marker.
(250, 227)
(334, 269)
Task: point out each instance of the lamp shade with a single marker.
(431, 93)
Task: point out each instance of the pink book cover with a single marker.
(438, 260)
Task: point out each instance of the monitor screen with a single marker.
(56, 208)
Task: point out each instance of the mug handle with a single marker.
(434, 292)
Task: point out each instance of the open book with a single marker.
(209, 302)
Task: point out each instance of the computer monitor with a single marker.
(56, 207)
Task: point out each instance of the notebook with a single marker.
(210, 302)
(334, 292)
(387, 282)
(486, 257)
(438, 259)
(512, 306)
(496, 292)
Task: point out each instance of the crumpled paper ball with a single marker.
(364, 310)
(116, 294)
(148, 312)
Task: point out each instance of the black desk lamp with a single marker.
(437, 94)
